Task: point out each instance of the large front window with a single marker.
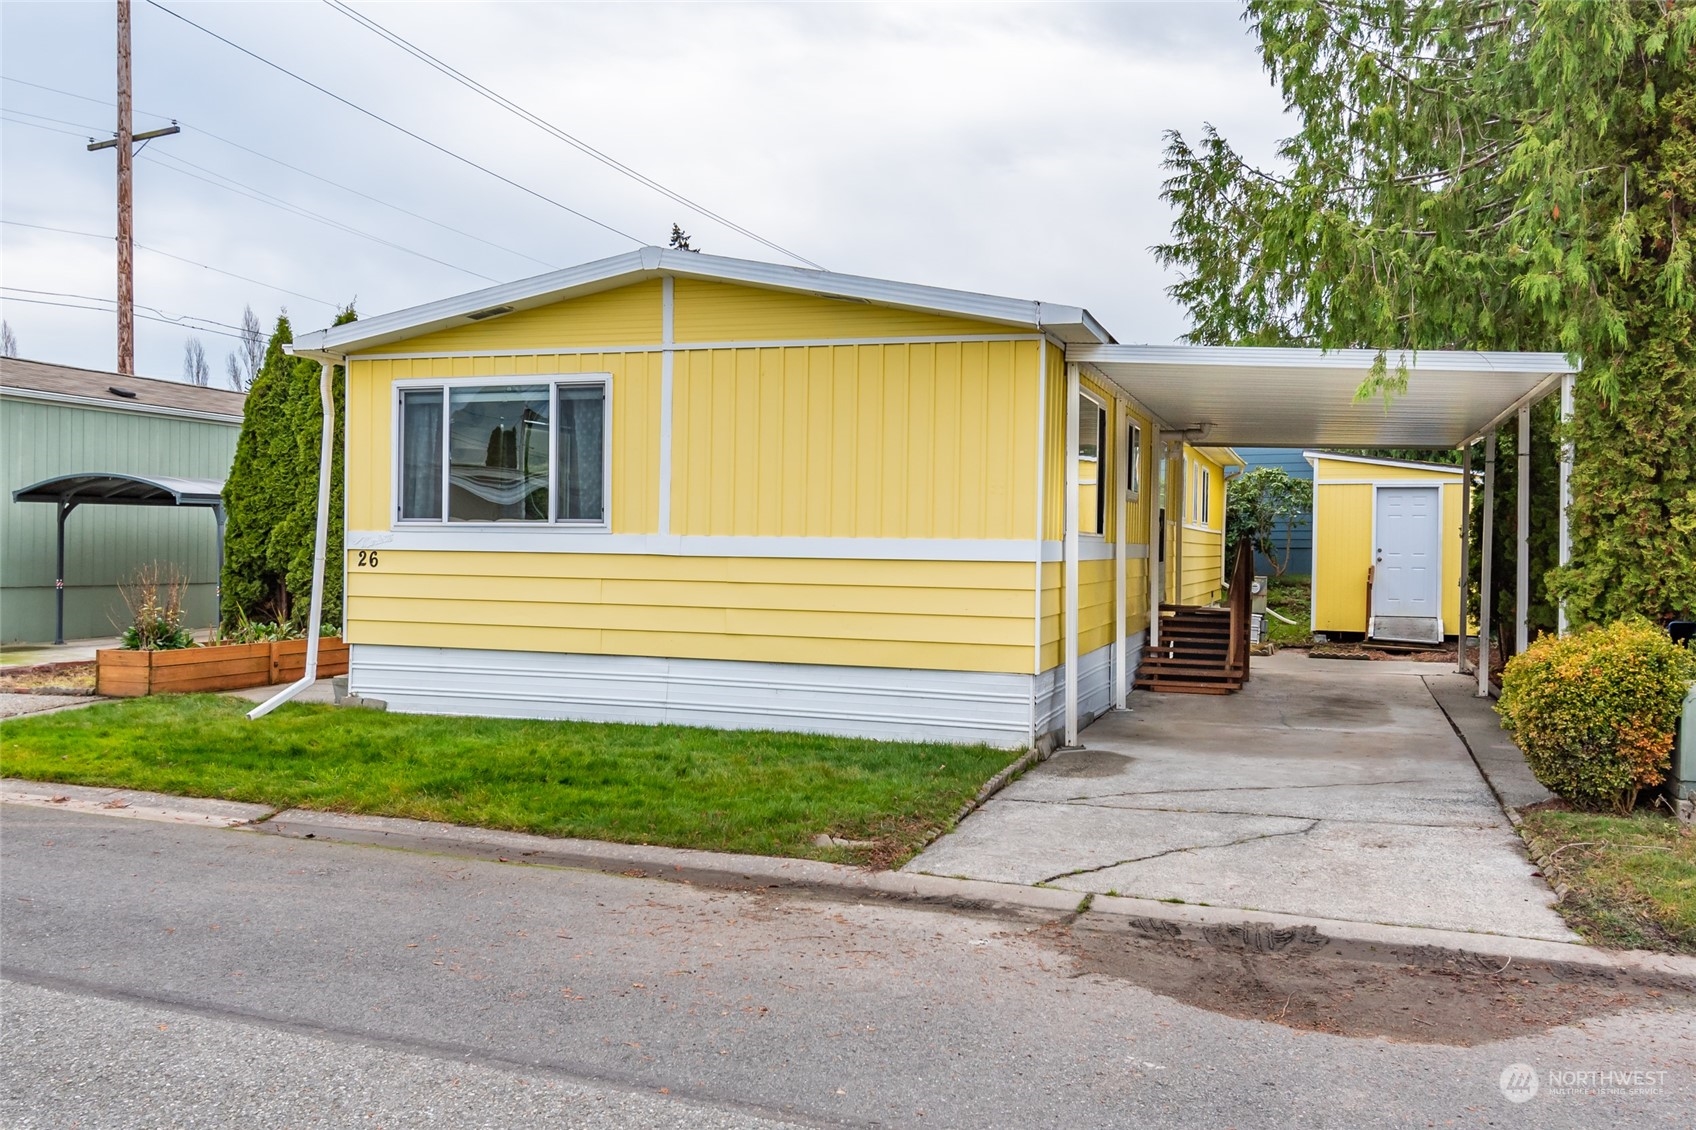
(507, 452)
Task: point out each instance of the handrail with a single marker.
(1242, 597)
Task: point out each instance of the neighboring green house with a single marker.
(56, 420)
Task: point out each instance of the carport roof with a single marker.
(1306, 397)
(124, 490)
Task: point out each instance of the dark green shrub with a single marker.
(1594, 711)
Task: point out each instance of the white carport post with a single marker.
(1153, 491)
(1465, 553)
(1071, 552)
(1117, 477)
(1486, 549)
(1522, 535)
(1566, 491)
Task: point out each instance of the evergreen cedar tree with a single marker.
(1473, 174)
(271, 496)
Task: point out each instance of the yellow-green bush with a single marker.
(1594, 711)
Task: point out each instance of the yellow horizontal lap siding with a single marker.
(716, 311)
(1203, 583)
(635, 426)
(963, 616)
(1136, 595)
(893, 441)
(1329, 470)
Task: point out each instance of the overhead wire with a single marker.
(230, 184)
(108, 310)
(200, 130)
(548, 127)
(181, 259)
(372, 114)
(179, 319)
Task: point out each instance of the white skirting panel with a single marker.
(872, 702)
(1095, 687)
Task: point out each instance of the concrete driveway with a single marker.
(1327, 789)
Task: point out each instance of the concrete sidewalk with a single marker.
(1326, 790)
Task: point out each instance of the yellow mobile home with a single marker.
(1386, 547)
(1195, 574)
(676, 487)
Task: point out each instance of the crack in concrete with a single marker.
(1312, 824)
(1249, 812)
(1257, 788)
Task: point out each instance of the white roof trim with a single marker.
(1068, 323)
(1278, 357)
(1444, 468)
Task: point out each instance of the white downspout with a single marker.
(1117, 476)
(1071, 553)
(320, 546)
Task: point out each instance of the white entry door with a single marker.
(1408, 565)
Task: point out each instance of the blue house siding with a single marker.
(1301, 539)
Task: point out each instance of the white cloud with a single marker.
(1008, 149)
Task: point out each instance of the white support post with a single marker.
(1180, 480)
(1567, 382)
(1522, 536)
(1153, 491)
(1071, 553)
(1486, 549)
(1118, 477)
(1465, 554)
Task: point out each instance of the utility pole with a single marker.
(123, 142)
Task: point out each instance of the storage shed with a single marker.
(1387, 547)
(60, 421)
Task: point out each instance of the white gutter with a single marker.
(320, 544)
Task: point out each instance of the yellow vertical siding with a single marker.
(891, 441)
(629, 315)
(708, 311)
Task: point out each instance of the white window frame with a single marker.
(1204, 494)
(554, 382)
(1133, 461)
(1103, 433)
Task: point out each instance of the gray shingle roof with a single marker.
(92, 386)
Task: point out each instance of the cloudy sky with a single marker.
(1007, 149)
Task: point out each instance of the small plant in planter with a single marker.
(154, 597)
(1595, 711)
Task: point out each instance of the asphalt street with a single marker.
(167, 975)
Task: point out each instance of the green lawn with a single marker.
(1631, 879)
(1292, 596)
(757, 792)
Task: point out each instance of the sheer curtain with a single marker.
(421, 457)
(582, 453)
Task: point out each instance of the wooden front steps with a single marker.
(1202, 650)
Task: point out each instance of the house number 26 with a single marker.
(367, 559)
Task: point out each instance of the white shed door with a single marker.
(1408, 561)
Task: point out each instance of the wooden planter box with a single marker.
(223, 667)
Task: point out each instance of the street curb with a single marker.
(132, 803)
(1138, 920)
(1145, 919)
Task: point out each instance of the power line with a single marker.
(35, 125)
(264, 197)
(60, 121)
(106, 310)
(182, 319)
(555, 131)
(395, 126)
(182, 259)
(203, 131)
